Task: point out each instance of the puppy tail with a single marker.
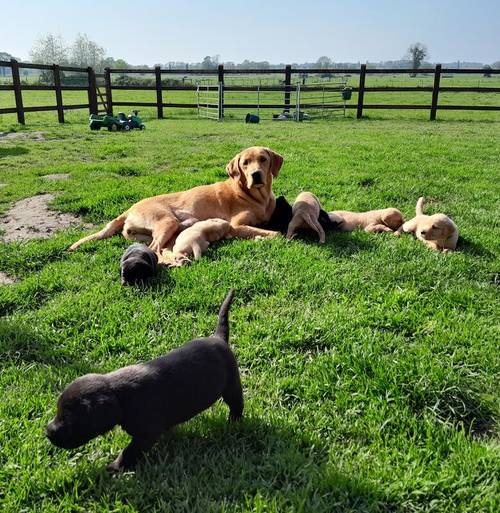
(222, 330)
(420, 206)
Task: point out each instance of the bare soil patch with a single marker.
(9, 136)
(5, 279)
(31, 218)
(56, 176)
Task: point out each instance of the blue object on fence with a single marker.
(252, 118)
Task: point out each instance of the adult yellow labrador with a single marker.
(245, 199)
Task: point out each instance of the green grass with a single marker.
(369, 365)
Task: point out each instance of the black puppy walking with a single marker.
(146, 399)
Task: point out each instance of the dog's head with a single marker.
(255, 167)
(86, 408)
(138, 264)
(435, 227)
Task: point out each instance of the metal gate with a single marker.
(209, 101)
(320, 100)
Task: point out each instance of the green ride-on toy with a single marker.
(113, 124)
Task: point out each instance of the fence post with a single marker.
(92, 93)
(57, 89)
(109, 97)
(361, 91)
(159, 98)
(18, 95)
(288, 84)
(435, 91)
(220, 75)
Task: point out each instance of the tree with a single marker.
(49, 49)
(209, 63)
(85, 52)
(417, 53)
(487, 71)
(496, 65)
(324, 62)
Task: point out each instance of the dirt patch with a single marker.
(5, 279)
(30, 218)
(56, 176)
(9, 136)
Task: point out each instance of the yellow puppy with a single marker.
(385, 220)
(438, 231)
(194, 241)
(305, 212)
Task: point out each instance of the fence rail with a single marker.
(285, 89)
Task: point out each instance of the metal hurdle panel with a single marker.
(320, 100)
(209, 101)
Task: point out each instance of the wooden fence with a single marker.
(93, 92)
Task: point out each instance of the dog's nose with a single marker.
(50, 431)
(257, 176)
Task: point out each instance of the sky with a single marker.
(154, 31)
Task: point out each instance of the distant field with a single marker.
(369, 364)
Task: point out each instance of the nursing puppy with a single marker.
(281, 216)
(384, 220)
(194, 241)
(306, 210)
(438, 231)
(148, 398)
(138, 263)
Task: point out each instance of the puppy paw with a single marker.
(115, 467)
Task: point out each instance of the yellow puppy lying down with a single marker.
(385, 220)
(305, 212)
(438, 231)
(194, 241)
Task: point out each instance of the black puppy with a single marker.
(326, 223)
(281, 216)
(148, 398)
(138, 263)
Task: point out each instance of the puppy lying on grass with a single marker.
(385, 220)
(437, 231)
(138, 263)
(146, 399)
(306, 211)
(194, 241)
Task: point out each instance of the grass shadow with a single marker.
(20, 342)
(459, 408)
(472, 248)
(232, 467)
(13, 152)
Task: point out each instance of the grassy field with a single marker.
(369, 365)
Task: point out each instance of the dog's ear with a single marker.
(105, 412)
(276, 162)
(233, 168)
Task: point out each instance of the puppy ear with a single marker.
(233, 168)
(435, 227)
(276, 162)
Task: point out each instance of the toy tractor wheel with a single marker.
(113, 127)
(126, 127)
